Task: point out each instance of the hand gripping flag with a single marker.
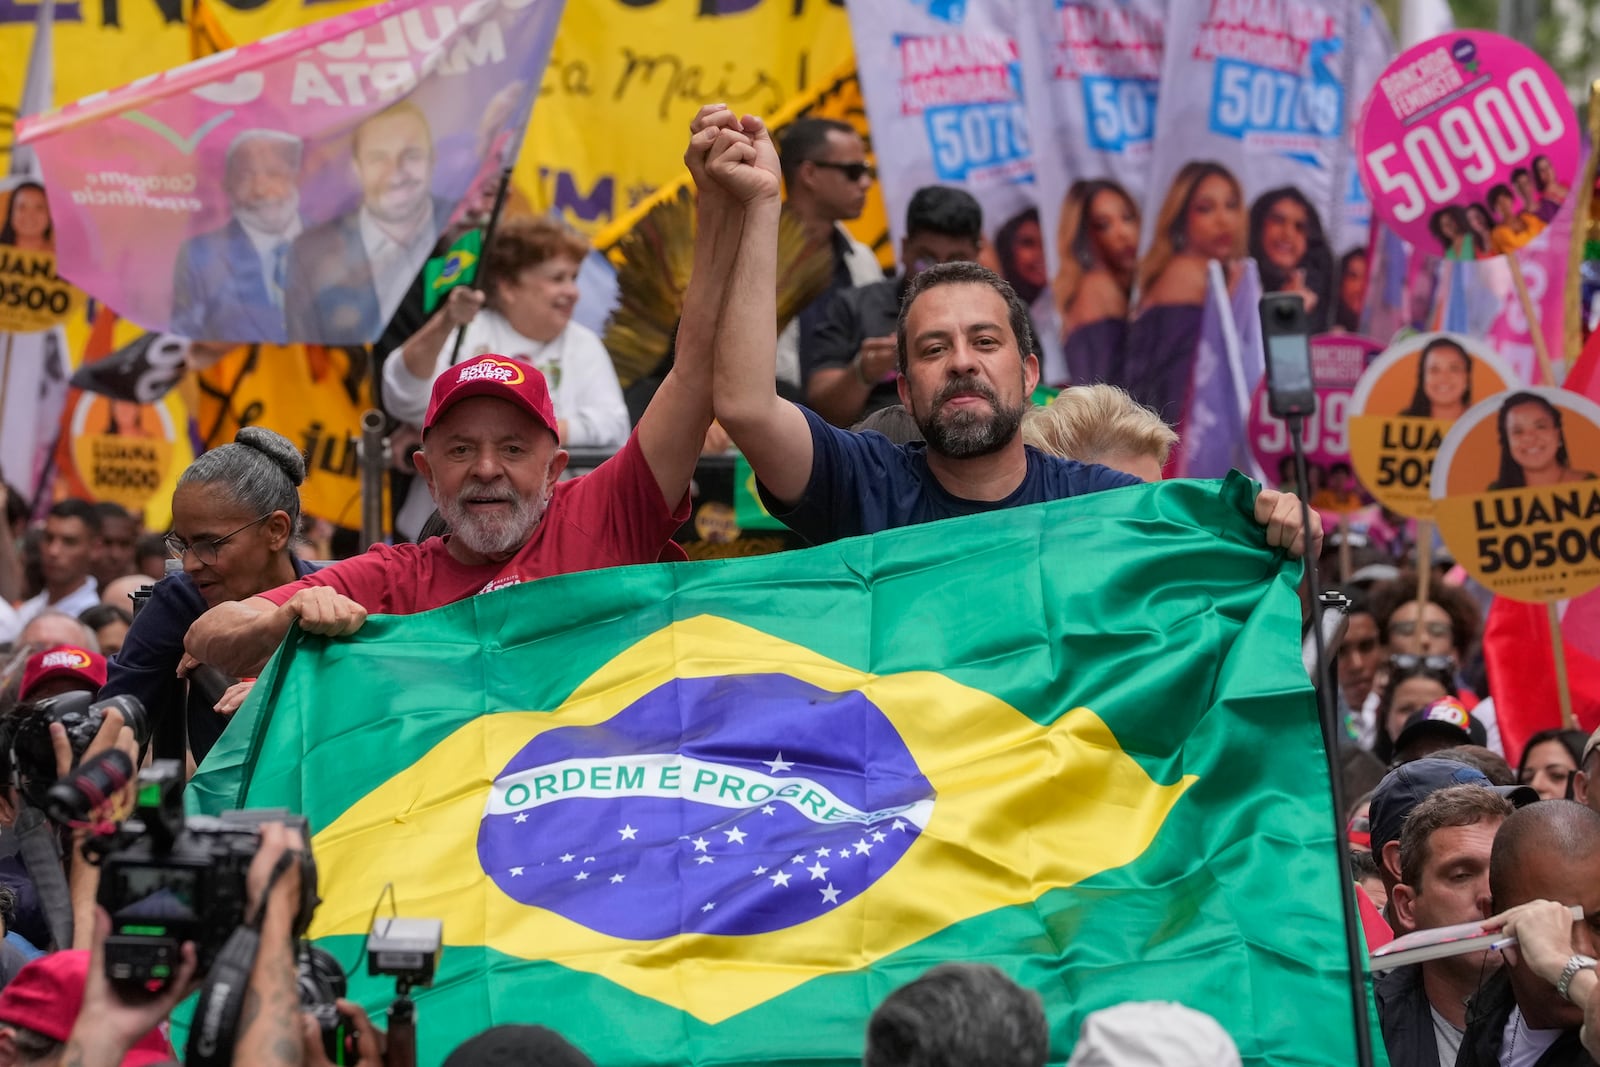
(715, 812)
(291, 189)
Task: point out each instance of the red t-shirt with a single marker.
(613, 516)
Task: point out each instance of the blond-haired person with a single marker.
(1102, 424)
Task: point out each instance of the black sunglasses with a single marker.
(853, 172)
(1404, 663)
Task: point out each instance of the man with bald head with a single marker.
(1545, 851)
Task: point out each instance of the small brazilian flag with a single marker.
(712, 813)
(458, 266)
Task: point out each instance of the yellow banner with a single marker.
(314, 396)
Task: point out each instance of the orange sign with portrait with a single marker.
(121, 450)
(1406, 403)
(1517, 494)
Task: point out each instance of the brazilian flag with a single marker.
(458, 266)
(713, 813)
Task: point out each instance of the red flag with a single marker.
(1584, 377)
(1521, 662)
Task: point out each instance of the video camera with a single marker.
(165, 879)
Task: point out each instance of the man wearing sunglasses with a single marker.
(847, 362)
(826, 175)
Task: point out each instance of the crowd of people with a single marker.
(936, 369)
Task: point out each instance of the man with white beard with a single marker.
(228, 283)
(491, 460)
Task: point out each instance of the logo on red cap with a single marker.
(74, 659)
(491, 370)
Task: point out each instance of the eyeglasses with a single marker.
(1403, 663)
(206, 549)
(1407, 627)
(853, 172)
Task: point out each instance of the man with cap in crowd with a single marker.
(1586, 783)
(40, 1005)
(492, 462)
(1401, 790)
(61, 670)
(1443, 724)
(1444, 870)
(1546, 851)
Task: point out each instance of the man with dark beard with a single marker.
(491, 460)
(967, 370)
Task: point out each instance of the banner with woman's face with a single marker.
(1091, 76)
(1517, 494)
(1253, 140)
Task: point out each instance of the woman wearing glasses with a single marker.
(1414, 683)
(235, 513)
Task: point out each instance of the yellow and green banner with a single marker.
(715, 812)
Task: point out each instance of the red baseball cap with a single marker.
(63, 661)
(497, 376)
(46, 995)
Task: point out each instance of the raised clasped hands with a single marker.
(733, 156)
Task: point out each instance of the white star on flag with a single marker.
(628, 833)
(800, 859)
(580, 876)
(768, 809)
(781, 878)
(516, 872)
(704, 859)
(830, 895)
(863, 848)
(735, 836)
(615, 878)
(779, 764)
(898, 824)
(879, 835)
(710, 906)
(823, 853)
(522, 816)
(817, 871)
(700, 844)
(759, 871)
(568, 858)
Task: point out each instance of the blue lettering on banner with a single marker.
(1119, 112)
(1249, 100)
(980, 140)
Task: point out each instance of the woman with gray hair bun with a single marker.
(235, 513)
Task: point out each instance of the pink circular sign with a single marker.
(1337, 363)
(1468, 145)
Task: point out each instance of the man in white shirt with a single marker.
(66, 555)
(228, 283)
(346, 277)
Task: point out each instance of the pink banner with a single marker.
(291, 189)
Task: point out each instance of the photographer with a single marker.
(270, 1025)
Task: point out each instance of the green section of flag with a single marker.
(1157, 607)
(748, 510)
(1043, 394)
(458, 266)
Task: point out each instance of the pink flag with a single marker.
(291, 189)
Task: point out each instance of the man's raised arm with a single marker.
(673, 427)
(771, 432)
(239, 636)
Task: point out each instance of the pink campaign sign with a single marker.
(1337, 363)
(1468, 145)
(291, 189)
